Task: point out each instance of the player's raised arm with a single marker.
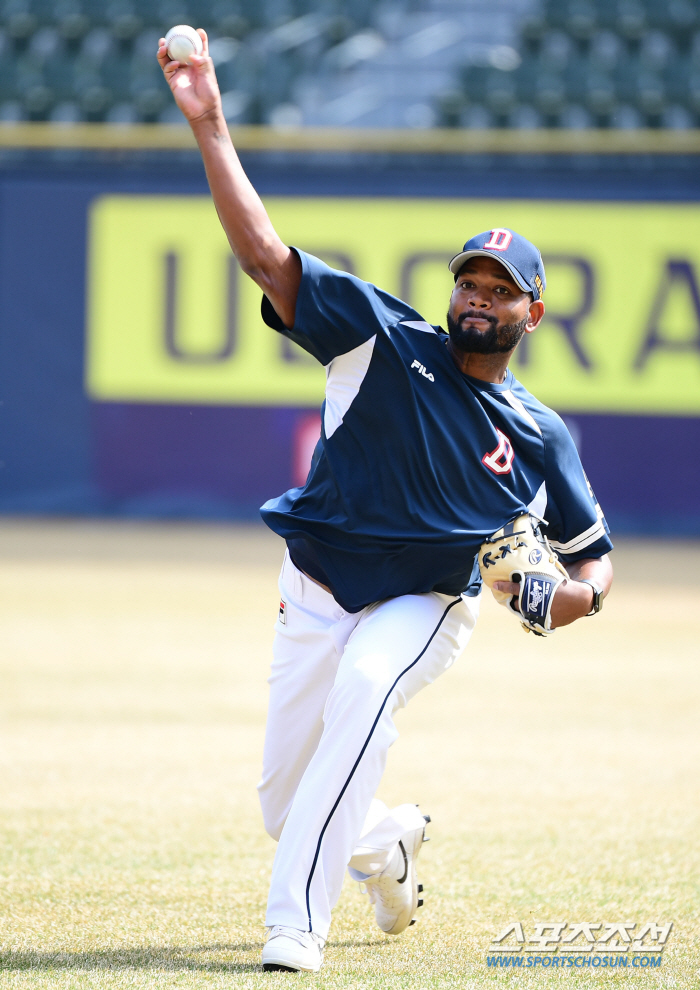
(254, 241)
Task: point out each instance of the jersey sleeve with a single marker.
(576, 526)
(336, 311)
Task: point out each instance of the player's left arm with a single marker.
(574, 599)
(576, 527)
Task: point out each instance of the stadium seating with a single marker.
(93, 60)
(570, 63)
(608, 63)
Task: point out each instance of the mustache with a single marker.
(474, 314)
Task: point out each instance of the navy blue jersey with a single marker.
(417, 462)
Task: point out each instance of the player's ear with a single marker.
(534, 316)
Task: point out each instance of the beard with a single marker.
(496, 340)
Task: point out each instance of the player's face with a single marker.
(488, 312)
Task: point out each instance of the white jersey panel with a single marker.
(418, 325)
(516, 404)
(345, 375)
(539, 502)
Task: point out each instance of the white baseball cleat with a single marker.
(394, 892)
(291, 950)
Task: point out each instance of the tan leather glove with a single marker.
(520, 553)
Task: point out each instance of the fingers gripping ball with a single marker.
(520, 553)
(182, 41)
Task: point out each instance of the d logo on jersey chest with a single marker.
(500, 460)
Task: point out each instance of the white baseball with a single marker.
(183, 41)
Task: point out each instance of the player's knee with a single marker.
(362, 695)
(273, 827)
(357, 687)
(274, 817)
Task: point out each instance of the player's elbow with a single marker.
(264, 259)
(279, 281)
(255, 267)
(607, 568)
(602, 572)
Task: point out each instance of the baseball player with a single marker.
(429, 447)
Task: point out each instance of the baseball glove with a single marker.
(520, 553)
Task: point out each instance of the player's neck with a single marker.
(485, 367)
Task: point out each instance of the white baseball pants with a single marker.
(337, 678)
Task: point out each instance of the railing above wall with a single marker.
(446, 141)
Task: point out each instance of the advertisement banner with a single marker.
(172, 319)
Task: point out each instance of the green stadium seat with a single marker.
(122, 113)
(11, 112)
(606, 50)
(576, 117)
(677, 118)
(550, 96)
(626, 117)
(601, 96)
(525, 117)
(631, 19)
(66, 113)
(477, 117)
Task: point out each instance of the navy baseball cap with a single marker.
(518, 255)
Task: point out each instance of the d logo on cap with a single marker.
(499, 240)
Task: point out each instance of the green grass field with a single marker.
(561, 775)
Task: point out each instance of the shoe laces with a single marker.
(304, 938)
(385, 888)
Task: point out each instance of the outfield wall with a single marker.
(138, 379)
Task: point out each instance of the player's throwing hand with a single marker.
(194, 84)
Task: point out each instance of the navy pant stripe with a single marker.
(362, 751)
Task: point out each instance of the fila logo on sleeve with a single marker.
(499, 240)
(500, 460)
(421, 368)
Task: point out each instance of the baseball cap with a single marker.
(515, 252)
